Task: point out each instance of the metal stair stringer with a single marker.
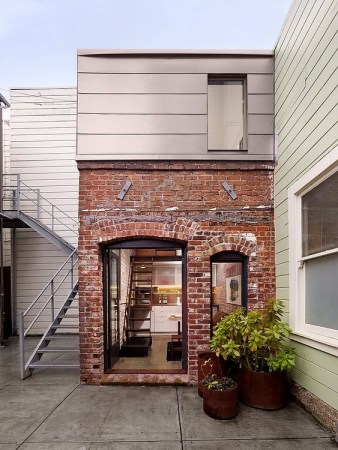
(47, 233)
(43, 346)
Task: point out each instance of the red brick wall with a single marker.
(182, 201)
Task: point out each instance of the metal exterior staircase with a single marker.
(26, 207)
(137, 339)
(51, 336)
(50, 350)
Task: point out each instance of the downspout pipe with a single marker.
(3, 104)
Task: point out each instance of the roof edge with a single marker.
(167, 52)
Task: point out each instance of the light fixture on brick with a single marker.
(124, 190)
(229, 190)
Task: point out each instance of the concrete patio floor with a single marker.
(51, 411)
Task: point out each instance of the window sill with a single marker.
(327, 345)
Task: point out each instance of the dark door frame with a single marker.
(110, 350)
(160, 244)
(228, 257)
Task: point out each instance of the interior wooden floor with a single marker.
(156, 360)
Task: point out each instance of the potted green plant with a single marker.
(208, 364)
(220, 397)
(257, 341)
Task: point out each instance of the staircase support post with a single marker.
(52, 298)
(72, 272)
(38, 204)
(18, 182)
(22, 345)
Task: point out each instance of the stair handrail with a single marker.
(21, 326)
(18, 192)
(53, 290)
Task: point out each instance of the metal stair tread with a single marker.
(53, 364)
(59, 349)
(61, 335)
(68, 316)
(61, 325)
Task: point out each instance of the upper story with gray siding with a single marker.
(154, 105)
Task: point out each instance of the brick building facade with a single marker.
(176, 201)
(175, 151)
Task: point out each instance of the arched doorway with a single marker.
(145, 306)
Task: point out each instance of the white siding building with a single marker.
(42, 142)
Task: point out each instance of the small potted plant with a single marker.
(220, 397)
(256, 340)
(208, 364)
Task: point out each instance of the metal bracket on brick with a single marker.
(229, 190)
(124, 190)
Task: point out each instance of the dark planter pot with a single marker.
(263, 390)
(212, 367)
(221, 404)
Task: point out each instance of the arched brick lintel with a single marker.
(232, 243)
(181, 230)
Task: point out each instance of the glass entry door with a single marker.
(112, 293)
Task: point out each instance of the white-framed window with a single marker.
(313, 252)
(226, 113)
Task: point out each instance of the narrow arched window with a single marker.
(229, 283)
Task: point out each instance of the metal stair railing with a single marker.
(54, 285)
(19, 197)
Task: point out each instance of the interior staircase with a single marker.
(58, 347)
(137, 339)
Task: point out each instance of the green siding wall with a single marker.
(306, 82)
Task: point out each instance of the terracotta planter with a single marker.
(213, 366)
(263, 390)
(221, 404)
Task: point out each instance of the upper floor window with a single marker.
(226, 113)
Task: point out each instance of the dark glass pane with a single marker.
(320, 217)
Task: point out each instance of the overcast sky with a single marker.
(39, 38)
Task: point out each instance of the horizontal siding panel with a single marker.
(18, 164)
(44, 131)
(19, 121)
(45, 144)
(175, 64)
(316, 387)
(42, 170)
(311, 100)
(20, 115)
(141, 144)
(43, 92)
(47, 157)
(50, 107)
(308, 84)
(311, 148)
(261, 144)
(43, 137)
(291, 18)
(304, 43)
(21, 151)
(143, 104)
(321, 359)
(142, 83)
(260, 124)
(260, 104)
(282, 294)
(260, 84)
(24, 101)
(141, 124)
